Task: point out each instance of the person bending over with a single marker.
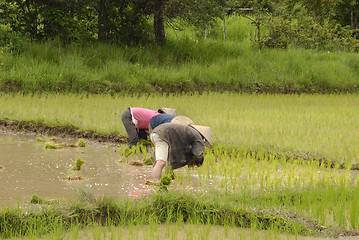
(136, 121)
(178, 145)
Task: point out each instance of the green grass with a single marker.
(187, 63)
(312, 126)
(156, 209)
(279, 213)
(267, 155)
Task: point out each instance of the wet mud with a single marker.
(28, 168)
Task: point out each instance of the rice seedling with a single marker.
(78, 164)
(36, 199)
(81, 143)
(52, 139)
(54, 146)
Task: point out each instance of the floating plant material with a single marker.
(81, 143)
(79, 163)
(70, 145)
(51, 139)
(54, 146)
(136, 163)
(73, 178)
(40, 140)
(59, 145)
(36, 199)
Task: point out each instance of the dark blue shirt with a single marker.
(160, 118)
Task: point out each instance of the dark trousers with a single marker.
(131, 130)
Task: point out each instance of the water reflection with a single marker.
(28, 168)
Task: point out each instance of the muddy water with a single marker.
(28, 168)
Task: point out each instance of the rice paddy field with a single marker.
(285, 156)
(285, 164)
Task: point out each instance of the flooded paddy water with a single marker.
(26, 168)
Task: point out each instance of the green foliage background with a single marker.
(187, 63)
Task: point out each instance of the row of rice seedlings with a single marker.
(14, 224)
(171, 231)
(317, 124)
(167, 209)
(252, 179)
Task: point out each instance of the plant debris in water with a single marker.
(59, 145)
(79, 163)
(54, 146)
(73, 178)
(36, 199)
(81, 143)
(136, 163)
(51, 139)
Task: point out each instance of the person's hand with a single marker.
(196, 161)
(199, 160)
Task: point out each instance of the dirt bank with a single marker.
(9, 126)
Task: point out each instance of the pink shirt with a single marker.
(141, 117)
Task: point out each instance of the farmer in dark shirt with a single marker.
(178, 145)
(159, 119)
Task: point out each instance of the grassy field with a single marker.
(266, 155)
(187, 63)
(318, 125)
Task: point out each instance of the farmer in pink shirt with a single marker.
(136, 122)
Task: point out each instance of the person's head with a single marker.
(183, 120)
(205, 133)
(170, 111)
(196, 161)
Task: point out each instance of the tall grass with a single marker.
(187, 63)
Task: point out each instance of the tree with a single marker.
(195, 12)
(347, 13)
